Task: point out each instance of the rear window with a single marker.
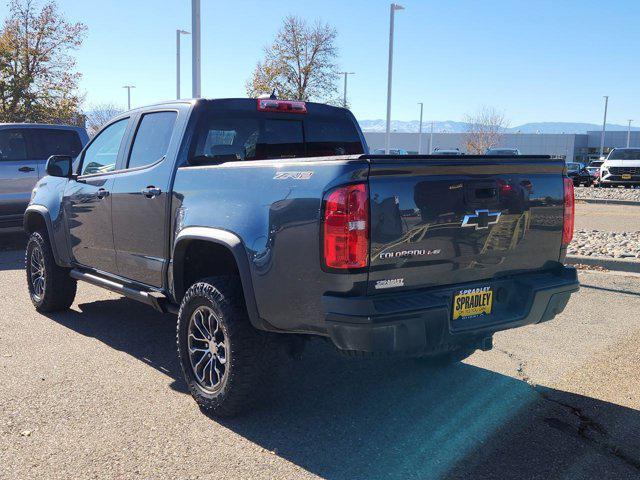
(228, 136)
(47, 142)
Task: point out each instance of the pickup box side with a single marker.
(277, 220)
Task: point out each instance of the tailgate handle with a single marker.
(484, 193)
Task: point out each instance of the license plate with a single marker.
(626, 176)
(472, 302)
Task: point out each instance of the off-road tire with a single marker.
(251, 352)
(59, 287)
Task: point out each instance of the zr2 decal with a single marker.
(293, 175)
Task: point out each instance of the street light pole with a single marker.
(420, 130)
(344, 98)
(604, 125)
(629, 134)
(195, 49)
(431, 139)
(129, 87)
(178, 33)
(387, 138)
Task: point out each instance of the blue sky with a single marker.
(538, 60)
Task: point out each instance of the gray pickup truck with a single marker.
(264, 222)
(24, 150)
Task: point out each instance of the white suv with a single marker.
(621, 167)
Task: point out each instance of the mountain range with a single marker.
(450, 126)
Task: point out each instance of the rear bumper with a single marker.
(419, 322)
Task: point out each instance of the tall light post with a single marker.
(129, 87)
(344, 98)
(431, 139)
(392, 14)
(629, 134)
(604, 125)
(420, 130)
(195, 49)
(178, 33)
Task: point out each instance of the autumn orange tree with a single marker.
(38, 81)
(300, 64)
(485, 129)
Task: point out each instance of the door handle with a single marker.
(102, 193)
(151, 192)
(26, 169)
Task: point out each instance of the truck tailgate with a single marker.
(440, 221)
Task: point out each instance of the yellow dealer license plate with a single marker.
(472, 302)
(626, 176)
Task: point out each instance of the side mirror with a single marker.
(60, 166)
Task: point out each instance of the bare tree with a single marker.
(485, 130)
(38, 82)
(98, 115)
(300, 64)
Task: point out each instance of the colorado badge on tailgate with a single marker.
(472, 302)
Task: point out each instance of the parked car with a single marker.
(445, 151)
(621, 168)
(392, 151)
(594, 172)
(509, 152)
(579, 174)
(261, 223)
(24, 149)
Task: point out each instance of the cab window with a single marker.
(152, 138)
(12, 145)
(101, 155)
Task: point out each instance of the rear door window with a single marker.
(12, 145)
(46, 142)
(152, 138)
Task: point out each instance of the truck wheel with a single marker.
(223, 357)
(50, 286)
(448, 358)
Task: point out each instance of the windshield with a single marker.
(572, 167)
(625, 154)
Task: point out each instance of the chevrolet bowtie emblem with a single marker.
(481, 219)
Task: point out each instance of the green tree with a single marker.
(300, 64)
(38, 81)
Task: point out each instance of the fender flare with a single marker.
(42, 211)
(233, 243)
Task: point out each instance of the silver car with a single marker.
(24, 150)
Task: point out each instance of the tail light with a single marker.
(346, 227)
(286, 106)
(569, 212)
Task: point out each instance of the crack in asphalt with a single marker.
(589, 430)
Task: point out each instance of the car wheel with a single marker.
(224, 359)
(50, 286)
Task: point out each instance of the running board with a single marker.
(160, 304)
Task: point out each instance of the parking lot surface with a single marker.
(96, 392)
(607, 218)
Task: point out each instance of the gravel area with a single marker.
(594, 243)
(632, 194)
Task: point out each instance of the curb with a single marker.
(619, 264)
(605, 201)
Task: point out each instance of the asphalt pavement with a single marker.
(96, 392)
